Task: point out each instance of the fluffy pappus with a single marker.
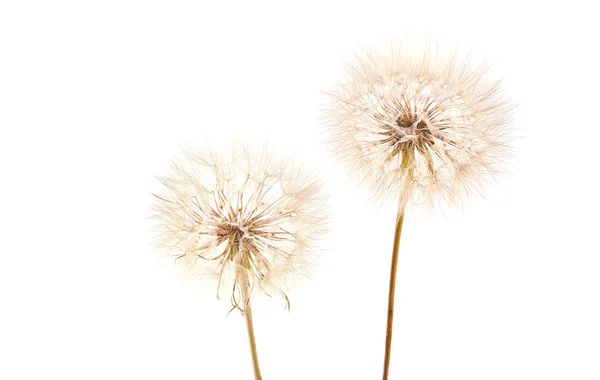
(246, 217)
(418, 120)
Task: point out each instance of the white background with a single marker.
(96, 97)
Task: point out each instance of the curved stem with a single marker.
(392, 291)
(250, 328)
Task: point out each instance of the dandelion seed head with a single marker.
(418, 120)
(247, 217)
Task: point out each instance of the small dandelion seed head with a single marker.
(420, 121)
(246, 217)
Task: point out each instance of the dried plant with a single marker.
(246, 217)
(419, 124)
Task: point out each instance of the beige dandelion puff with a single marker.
(420, 125)
(246, 217)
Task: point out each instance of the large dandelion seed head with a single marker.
(247, 218)
(420, 121)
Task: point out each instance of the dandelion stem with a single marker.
(392, 291)
(250, 328)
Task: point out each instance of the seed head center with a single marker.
(234, 232)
